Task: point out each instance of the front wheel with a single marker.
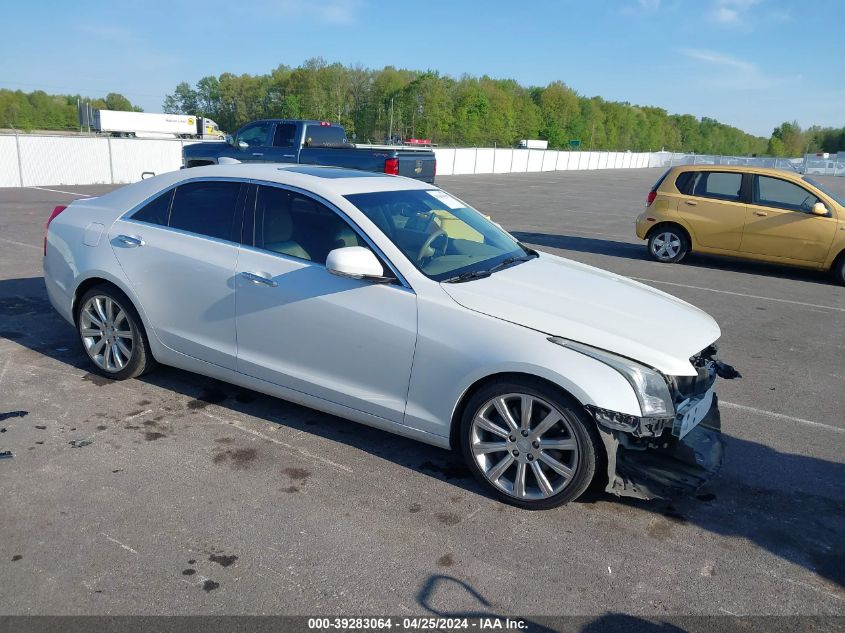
(529, 443)
(112, 334)
(667, 245)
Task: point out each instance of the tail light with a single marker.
(434, 174)
(53, 215)
(650, 198)
(391, 166)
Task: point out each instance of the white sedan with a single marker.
(389, 302)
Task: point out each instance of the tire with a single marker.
(838, 270)
(667, 244)
(105, 313)
(496, 460)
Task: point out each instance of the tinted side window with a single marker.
(717, 184)
(682, 182)
(156, 211)
(774, 192)
(284, 136)
(325, 136)
(255, 135)
(206, 208)
(292, 224)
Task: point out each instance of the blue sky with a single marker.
(749, 63)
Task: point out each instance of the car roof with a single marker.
(326, 182)
(742, 169)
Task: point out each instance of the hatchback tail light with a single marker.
(391, 166)
(650, 198)
(53, 215)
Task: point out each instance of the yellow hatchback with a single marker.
(754, 213)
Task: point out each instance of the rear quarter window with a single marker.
(156, 211)
(682, 182)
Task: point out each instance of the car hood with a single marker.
(564, 298)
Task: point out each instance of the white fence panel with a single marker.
(79, 160)
(445, 159)
(484, 160)
(535, 159)
(464, 161)
(64, 160)
(10, 175)
(503, 161)
(132, 157)
(562, 161)
(520, 161)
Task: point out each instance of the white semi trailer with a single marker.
(153, 125)
(533, 144)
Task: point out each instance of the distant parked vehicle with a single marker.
(310, 143)
(533, 144)
(153, 125)
(770, 215)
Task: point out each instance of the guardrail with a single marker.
(28, 160)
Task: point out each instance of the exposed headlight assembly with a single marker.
(649, 385)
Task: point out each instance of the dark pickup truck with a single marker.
(310, 143)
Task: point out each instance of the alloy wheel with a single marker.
(107, 333)
(666, 245)
(524, 446)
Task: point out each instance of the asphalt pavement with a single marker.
(196, 497)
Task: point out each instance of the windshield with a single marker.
(839, 199)
(439, 234)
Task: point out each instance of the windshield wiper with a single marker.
(478, 274)
(468, 276)
(512, 260)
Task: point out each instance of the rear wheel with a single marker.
(667, 244)
(529, 444)
(112, 334)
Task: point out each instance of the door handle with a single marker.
(288, 155)
(761, 213)
(257, 154)
(691, 203)
(130, 240)
(259, 279)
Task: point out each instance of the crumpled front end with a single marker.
(667, 466)
(651, 458)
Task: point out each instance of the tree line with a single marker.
(41, 111)
(469, 111)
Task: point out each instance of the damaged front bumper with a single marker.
(665, 466)
(662, 458)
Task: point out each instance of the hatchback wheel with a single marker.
(668, 245)
(529, 444)
(112, 334)
(838, 270)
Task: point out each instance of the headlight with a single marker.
(649, 385)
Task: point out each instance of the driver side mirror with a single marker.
(820, 209)
(230, 140)
(356, 262)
